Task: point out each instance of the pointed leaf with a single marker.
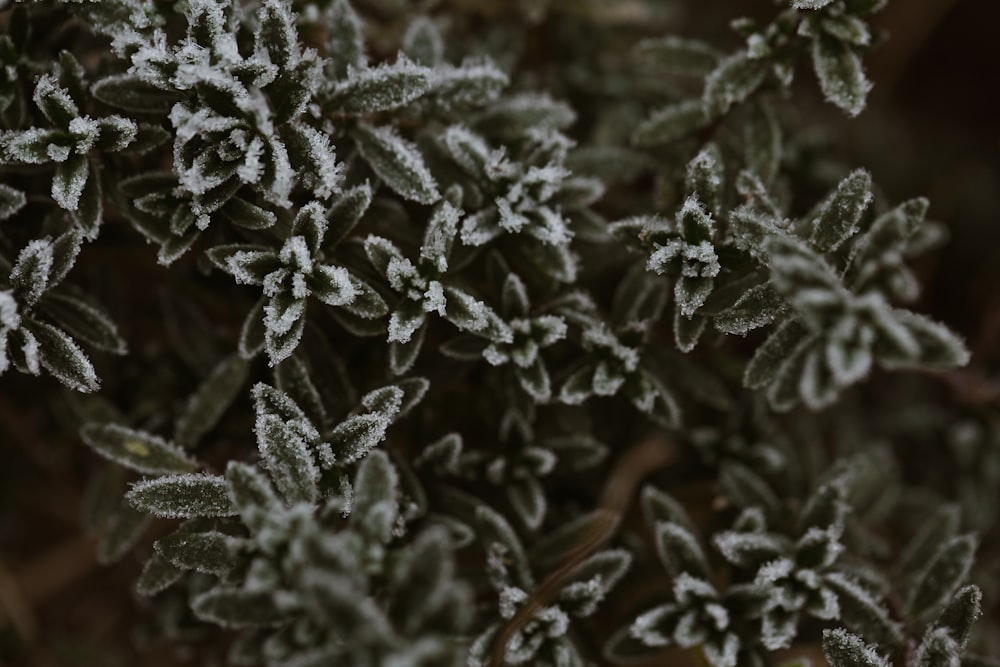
(182, 496)
(136, 450)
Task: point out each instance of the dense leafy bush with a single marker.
(482, 304)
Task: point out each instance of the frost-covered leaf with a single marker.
(840, 73)
(844, 649)
(209, 402)
(942, 576)
(62, 357)
(476, 83)
(959, 615)
(679, 55)
(397, 162)
(137, 450)
(423, 42)
(237, 608)
(288, 459)
(158, 574)
(936, 529)
(250, 493)
(939, 347)
(122, 531)
(84, 320)
(862, 612)
(182, 496)
(772, 354)
(516, 115)
(732, 82)
(210, 552)
(69, 180)
(755, 308)
(344, 37)
(252, 331)
(345, 213)
(838, 217)
(375, 496)
(356, 436)
(131, 93)
(11, 201)
(30, 276)
(680, 550)
(381, 88)
(670, 123)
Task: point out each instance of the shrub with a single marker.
(483, 302)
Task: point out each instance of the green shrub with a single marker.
(557, 354)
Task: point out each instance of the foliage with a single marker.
(442, 282)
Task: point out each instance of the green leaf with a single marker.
(69, 180)
(344, 37)
(732, 82)
(182, 496)
(769, 358)
(862, 612)
(129, 92)
(678, 55)
(62, 357)
(755, 308)
(959, 615)
(376, 505)
(423, 42)
(251, 494)
(840, 73)
(249, 216)
(210, 400)
(397, 162)
(236, 608)
(381, 88)
(939, 347)
(357, 435)
(288, 459)
(839, 216)
(137, 450)
(346, 212)
(670, 123)
(843, 649)
(84, 320)
(252, 331)
(11, 201)
(90, 212)
(121, 532)
(474, 84)
(936, 529)
(942, 576)
(208, 552)
(158, 574)
(30, 276)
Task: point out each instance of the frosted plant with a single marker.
(68, 140)
(508, 198)
(684, 248)
(521, 470)
(293, 273)
(41, 320)
(530, 333)
(698, 614)
(543, 639)
(421, 290)
(522, 197)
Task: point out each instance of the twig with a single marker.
(637, 462)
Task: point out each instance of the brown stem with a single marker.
(639, 461)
